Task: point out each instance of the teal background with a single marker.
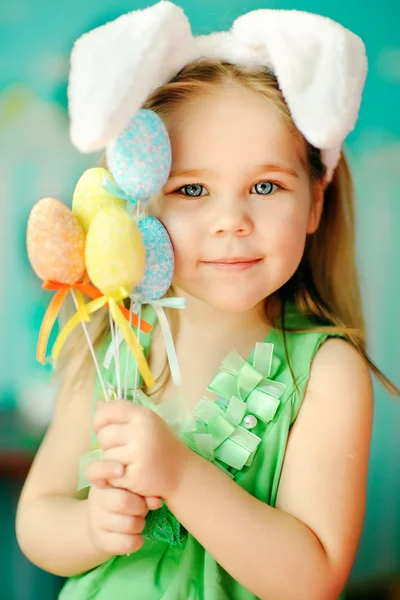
(36, 160)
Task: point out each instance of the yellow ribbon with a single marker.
(54, 308)
(119, 319)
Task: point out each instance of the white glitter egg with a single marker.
(159, 265)
(140, 158)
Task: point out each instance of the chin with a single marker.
(233, 298)
(233, 302)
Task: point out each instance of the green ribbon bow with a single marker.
(250, 383)
(248, 390)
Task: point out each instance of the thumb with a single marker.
(153, 503)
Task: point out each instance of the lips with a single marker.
(233, 264)
(233, 260)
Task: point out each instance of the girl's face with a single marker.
(237, 204)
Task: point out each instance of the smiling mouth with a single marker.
(233, 264)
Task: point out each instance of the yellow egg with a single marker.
(115, 253)
(55, 242)
(90, 196)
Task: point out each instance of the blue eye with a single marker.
(194, 190)
(264, 188)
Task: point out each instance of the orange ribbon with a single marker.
(62, 289)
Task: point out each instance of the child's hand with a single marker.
(116, 516)
(138, 438)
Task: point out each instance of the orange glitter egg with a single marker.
(55, 242)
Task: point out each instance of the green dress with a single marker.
(181, 569)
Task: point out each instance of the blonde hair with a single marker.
(325, 286)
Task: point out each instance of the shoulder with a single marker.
(339, 394)
(313, 360)
(339, 370)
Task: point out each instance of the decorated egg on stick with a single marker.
(91, 195)
(159, 266)
(55, 242)
(115, 254)
(140, 158)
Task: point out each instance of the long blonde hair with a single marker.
(325, 286)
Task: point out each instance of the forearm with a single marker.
(268, 551)
(53, 534)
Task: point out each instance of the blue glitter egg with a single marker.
(159, 266)
(140, 158)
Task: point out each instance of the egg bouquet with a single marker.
(108, 249)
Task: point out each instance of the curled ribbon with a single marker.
(54, 307)
(118, 314)
(158, 306)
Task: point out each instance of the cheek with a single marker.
(285, 238)
(183, 236)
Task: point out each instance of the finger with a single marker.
(121, 483)
(153, 503)
(128, 524)
(121, 454)
(111, 436)
(99, 472)
(115, 411)
(121, 543)
(128, 481)
(125, 503)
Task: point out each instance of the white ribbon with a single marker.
(158, 306)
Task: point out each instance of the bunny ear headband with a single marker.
(320, 67)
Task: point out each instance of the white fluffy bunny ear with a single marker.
(116, 66)
(320, 65)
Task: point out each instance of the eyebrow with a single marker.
(270, 167)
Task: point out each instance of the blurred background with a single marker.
(37, 160)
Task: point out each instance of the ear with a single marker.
(316, 205)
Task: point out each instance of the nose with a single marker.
(230, 216)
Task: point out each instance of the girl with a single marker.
(264, 253)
